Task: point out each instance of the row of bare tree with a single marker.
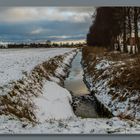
(115, 26)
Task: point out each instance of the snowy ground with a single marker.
(53, 109)
(15, 62)
(51, 102)
(70, 126)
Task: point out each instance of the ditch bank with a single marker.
(102, 110)
(18, 102)
(85, 104)
(113, 80)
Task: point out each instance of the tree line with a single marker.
(115, 27)
(48, 44)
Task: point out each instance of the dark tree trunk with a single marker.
(124, 29)
(129, 24)
(130, 28)
(136, 27)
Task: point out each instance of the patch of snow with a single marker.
(53, 103)
(103, 64)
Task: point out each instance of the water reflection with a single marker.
(75, 82)
(85, 108)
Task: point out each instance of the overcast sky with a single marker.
(25, 24)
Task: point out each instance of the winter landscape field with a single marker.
(63, 71)
(27, 87)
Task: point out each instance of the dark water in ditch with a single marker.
(85, 107)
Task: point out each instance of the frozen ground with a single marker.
(52, 106)
(53, 109)
(14, 63)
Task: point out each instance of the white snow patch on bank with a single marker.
(53, 103)
(103, 64)
(66, 61)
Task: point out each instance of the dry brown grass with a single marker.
(127, 117)
(90, 54)
(117, 56)
(129, 71)
(100, 51)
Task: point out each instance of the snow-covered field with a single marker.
(55, 115)
(47, 102)
(41, 99)
(15, 62)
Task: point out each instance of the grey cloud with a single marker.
(77, 9)
(20, 14)
(70, 28)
